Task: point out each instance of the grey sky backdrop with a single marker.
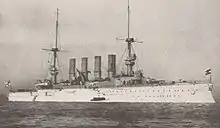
(181, 37)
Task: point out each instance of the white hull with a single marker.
(186, 93)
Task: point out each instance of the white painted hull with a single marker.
(186, 93)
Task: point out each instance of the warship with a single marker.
(127, 86)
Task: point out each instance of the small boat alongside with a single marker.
(98, 99)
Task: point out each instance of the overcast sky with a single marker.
(181, 37)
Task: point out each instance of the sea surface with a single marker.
(109, 115)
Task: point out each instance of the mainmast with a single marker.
(54, 70)
(130, 59)
(129, 62)
(56, 50)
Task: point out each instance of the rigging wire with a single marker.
(120, 60)
(136, 58)
(49, 65)
(60, 68)
(42, 66)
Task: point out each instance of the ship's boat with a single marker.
(98, 99)
(126, 86)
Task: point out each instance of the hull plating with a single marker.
(187, 93)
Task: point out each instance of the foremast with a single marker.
(53, 68)
(131, 56)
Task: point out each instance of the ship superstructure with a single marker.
(127, 86)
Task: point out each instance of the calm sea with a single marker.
(109, 115)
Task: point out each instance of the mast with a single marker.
(131, 57)
(129, 41)
(54, 70)
(128, 19)
(56, 50)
